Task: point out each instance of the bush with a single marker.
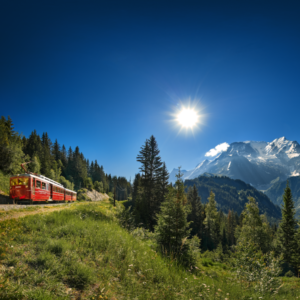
(82, 196)
(126, 218)
(289, 274)
(259, 270)
(98, 186)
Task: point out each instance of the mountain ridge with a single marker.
(232, 194)
(255, 162)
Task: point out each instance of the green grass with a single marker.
(83, 252)
(4, 183)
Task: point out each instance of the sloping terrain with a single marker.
(96, 196)
(83, 253)
(233, 194)
(275, 192)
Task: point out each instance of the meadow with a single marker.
(82, 252)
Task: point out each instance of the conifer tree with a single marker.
(162, 184)
(56, 151)
(287, 227)
(211, 222)
(254, 228)
(195, 216)
(150, 168)
(46, 158)
(172, 229)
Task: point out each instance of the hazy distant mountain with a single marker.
(257, 163)
(275, 192)
(233, 194)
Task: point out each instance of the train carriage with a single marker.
(36, 188)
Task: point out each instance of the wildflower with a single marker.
(219, 290)
(130, 266)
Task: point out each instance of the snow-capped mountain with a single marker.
(257, 163)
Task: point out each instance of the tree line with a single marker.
(181, 223)
(67, 166)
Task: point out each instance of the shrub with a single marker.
(289, 274)
(259, 270)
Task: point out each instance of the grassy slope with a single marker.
(82, 251)
(4, 183)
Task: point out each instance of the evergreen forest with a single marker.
(66, 166)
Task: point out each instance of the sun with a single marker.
(188, 117)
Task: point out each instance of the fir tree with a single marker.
(151, 173)
(211, 222)
(172, 229)
(195, 216)
(254, 228)
(287, 227)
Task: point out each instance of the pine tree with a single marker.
(56, 151)
(195, 216)
(172, 229)
(151, 170)
(254, 228)
(11, 153)
(46, 157)
(211, 222)
(287, 227)
(162, 183)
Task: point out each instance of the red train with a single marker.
(34, 188)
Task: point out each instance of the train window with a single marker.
(38, 184)
(23, 181)
(43, 185)
(14, 182)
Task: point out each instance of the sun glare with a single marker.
(187, 117)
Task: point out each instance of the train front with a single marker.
(20, 187)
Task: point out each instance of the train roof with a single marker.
(45, 179)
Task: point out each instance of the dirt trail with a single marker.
(15, 214)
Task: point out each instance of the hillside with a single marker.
(82, 252)
(276, 191)
(232, 194)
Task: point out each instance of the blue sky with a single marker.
(107, 75)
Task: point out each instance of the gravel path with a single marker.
(7, 207)
(15, 214)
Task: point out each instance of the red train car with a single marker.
(37, 188)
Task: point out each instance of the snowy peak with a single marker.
(255, 162)
(283, 146)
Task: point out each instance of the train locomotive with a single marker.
(31, 187)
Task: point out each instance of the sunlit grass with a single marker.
(4, 183)
(82, 251)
